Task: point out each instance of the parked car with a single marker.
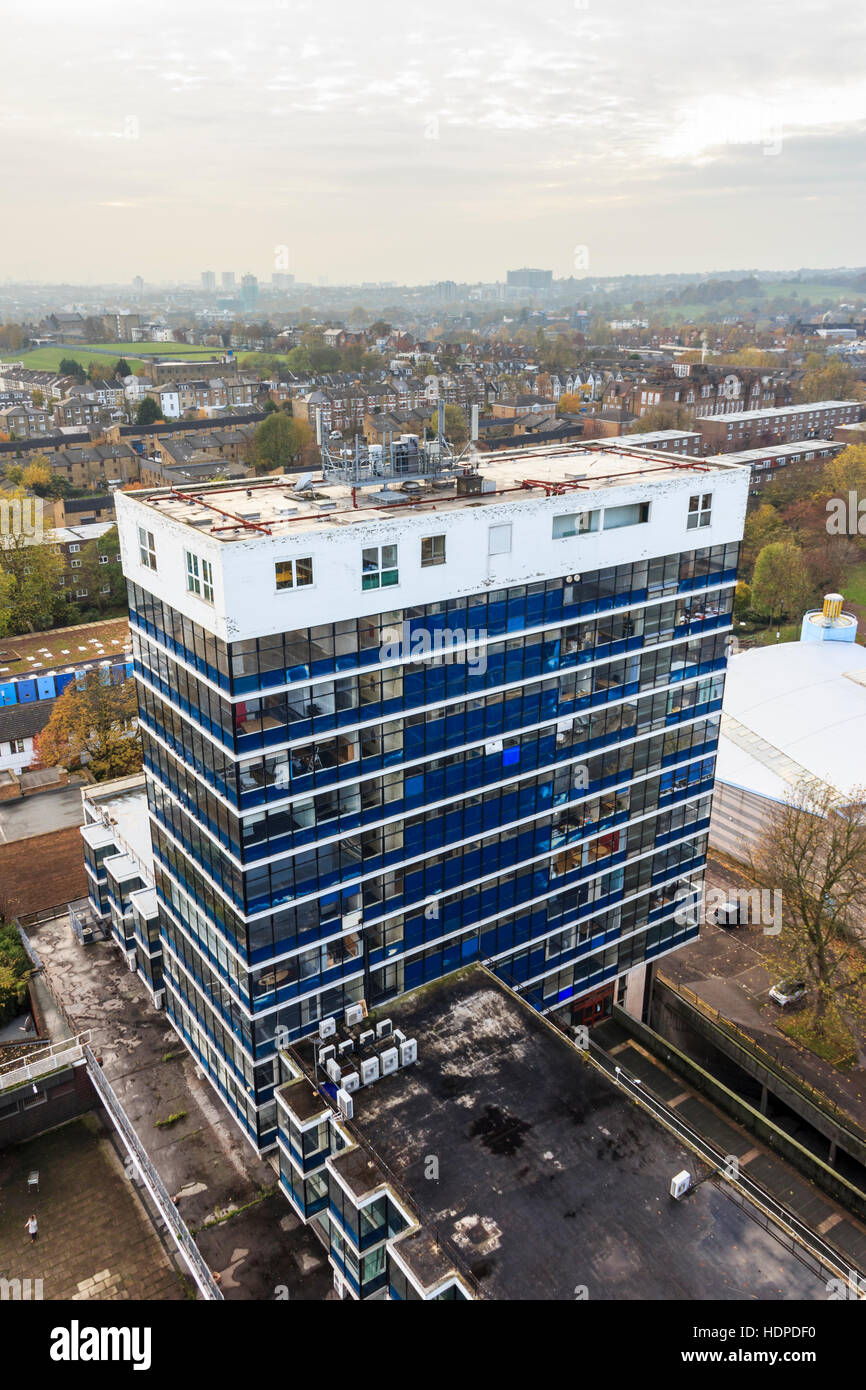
(788, 991)
(729, 914)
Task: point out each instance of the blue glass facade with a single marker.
(330, 823)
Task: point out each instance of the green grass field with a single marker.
(48, 359)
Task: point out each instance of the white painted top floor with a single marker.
(517, 531)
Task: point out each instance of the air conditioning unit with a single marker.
(366, 1037)
(327, 1027)
(347, 1046)
(390, 1060)
(159, 999)
(350, 1081)
(680, 1184)
(353, 1015)
(334, 1070)
(408, 1052)
(493, 746)
(369, 1070)
(384, 1028)
(344, 1101)
(398, 1036)
(325, 1053)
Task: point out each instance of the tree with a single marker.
(762, 526)
(813, 852)
(148, 412)
(663, 417)
(780, 584)
(38, 398)
(456, 428)
(95, 723)
(94, 329)
(37, 476)
(570, 403)
(122, 368)
(30, 591)
(742, 599)
(277, 442)
(70, 367)
(829, 381)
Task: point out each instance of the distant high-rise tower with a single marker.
(138, 287)
(208, 281)
(528, 279)
(249, 290)
(228, 279)
(282, 280)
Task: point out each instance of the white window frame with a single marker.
(146, 548)
(499, 532)
(290, 578)
(700, 513)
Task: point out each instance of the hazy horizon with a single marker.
(368, 144)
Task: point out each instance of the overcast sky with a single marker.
(388, 140)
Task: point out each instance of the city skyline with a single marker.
(302, 144)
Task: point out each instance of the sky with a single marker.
(389, 140)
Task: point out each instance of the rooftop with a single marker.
(121, 805)
(772, 412)
(799, 707)
(549, 1177)
(278, 506)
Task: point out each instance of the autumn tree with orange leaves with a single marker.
(93, 724)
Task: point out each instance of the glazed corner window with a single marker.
(432, 551)
(700, 509)
(574, 524)
(199, 576)
(146, 548)
(379, 567)
(631, 515)
(499, 539)
(293, 574)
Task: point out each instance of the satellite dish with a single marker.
(303, 482)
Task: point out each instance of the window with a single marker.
(16, 745)
(631, 515)
(81, 593)
(574, 524)
(499, 539)
(699, 511)
(103, 559)
(293, 574)
(379, 567)
(106, 589)
(146, 548)
(199, 576)
(75, 564)
(73, 548)
(432, 550)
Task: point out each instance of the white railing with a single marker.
(53, 1057)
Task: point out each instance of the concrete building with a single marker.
(771, 737)
(419, 715)
(752, 429)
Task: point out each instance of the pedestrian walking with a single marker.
(33, 1226)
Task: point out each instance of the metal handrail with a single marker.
(772, 1063)
(153, 1182)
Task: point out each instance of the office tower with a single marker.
(528, 279)
(421, 714)
(228, 279)
(249, 291)
(208, 281)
